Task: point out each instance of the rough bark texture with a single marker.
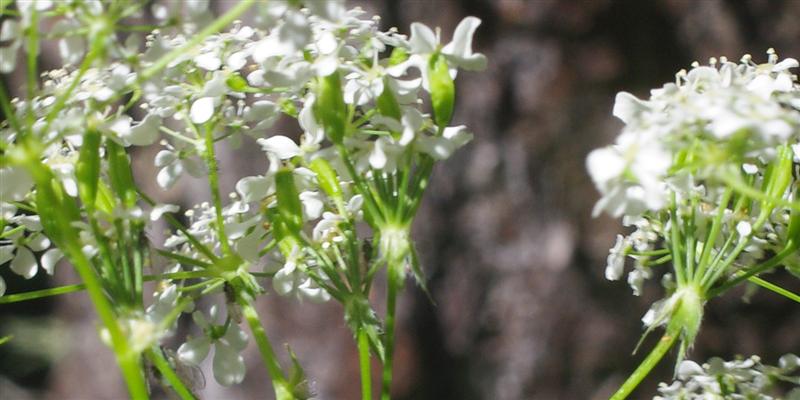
(514, 260)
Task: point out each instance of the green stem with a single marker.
(664, 344)
(756, 194)
(394, 281)
(38, 294)
(274, 370)
(713, 234)
(160, 362)
(742, 275)
(364, 362)
(32, 75)
(775, 288)
(213, 181)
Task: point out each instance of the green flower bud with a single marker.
(327, 178)
(443, 92)
(330, 109)
(120, 174)
(290, 210)
(387, 104)
(398, 56)
(57, 210)
(779, 174)
(88, 168)
(238, 84)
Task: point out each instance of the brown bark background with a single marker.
(514, 260)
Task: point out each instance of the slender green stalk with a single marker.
(33, 52)
(38, 294)
(274, 370)
(754, 193)
(747, 274)
(213, 181)
(775, 288)
(160, 362)
(664, 344)
(713, 234)
(393, 286)
(364, 362)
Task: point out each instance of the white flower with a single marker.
(630, 174)
(173, 163)
(424, 43)
(291, 279)
(616, 259)
(442, 147)
(228, 364)
(19, 247)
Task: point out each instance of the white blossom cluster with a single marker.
(706, 176)
(737, 379)
(232, 86)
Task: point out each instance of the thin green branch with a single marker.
(274, 369)
(160, 362)
(664, 344)
(775, 288)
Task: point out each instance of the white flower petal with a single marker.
(160, 209)
(460, 49)
(145, 132)
(121, 126)
(281, 146)
(50, 258)
(38, 242)
(168, 175)
(208, 61)
(194, 351)
(627, 106)
(228, 365)
(202, 110)
(254, 188)
(312, 204)
(377, 157)
(15, 183)
(422, 40)
(165, 157)
(235, 338)
(8, 58)
(24, 263)
(6, 253)
(284, 280)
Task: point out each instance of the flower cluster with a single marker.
(737, 379)
(705, 175)
(373, 111)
